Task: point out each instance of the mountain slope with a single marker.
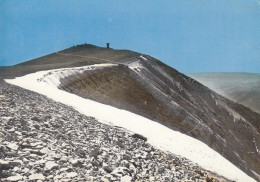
(243, 88)
(45, 140)
(146, 86)
(161, 137)
(83, 55)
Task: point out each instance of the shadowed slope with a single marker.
(148, 87)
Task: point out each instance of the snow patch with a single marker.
(53, 77)
(157, 134)
(136, 65)
(257, 175)
(256, 146)
(143, 58)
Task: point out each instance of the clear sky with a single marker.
(189, 35)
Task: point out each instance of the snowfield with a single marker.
(47, 82)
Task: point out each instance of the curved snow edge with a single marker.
(157, 134)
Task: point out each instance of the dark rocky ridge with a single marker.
(93, 55)
(150, 92)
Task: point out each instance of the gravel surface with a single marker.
(42, 140)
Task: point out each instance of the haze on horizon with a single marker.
(189, 35)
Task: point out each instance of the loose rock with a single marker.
(36, 177)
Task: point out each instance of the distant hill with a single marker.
(243, 88)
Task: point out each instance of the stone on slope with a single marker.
(13, 146)
(50, 165)
(139, 137)
(94, 153)
(120, 171)
(71, 175)
(5, 165)
(15, 178)
(126, 179)
(36, 177)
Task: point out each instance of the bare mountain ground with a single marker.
(83, 55)
(152, 89)
(176, 101)
(44, 140)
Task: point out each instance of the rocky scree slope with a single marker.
(146, 86)
(42, 140)
(149, 88)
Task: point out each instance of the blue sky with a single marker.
(189, 35)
